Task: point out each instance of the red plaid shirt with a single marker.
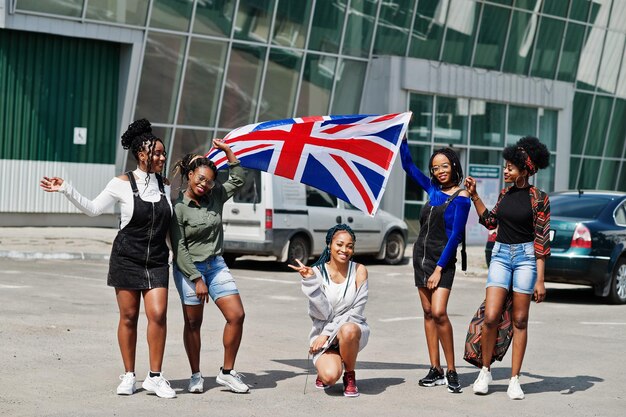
(541, 219)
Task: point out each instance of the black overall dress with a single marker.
(139, 257)
(431, 241)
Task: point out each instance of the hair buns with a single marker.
(135, 129)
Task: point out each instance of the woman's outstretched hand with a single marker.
(51, 184)
(305, 271)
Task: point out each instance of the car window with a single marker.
(317, 198)
(574, 206)
(350, 206)
(250, 192)
(620, 215)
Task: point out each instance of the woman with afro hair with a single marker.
(138, 265)
(522, 216)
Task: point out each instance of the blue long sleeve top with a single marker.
(455, 215)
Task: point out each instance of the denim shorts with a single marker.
(514, 266)
(216, 276)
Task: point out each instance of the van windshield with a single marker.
(250, 192)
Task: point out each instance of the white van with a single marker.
(279, 217)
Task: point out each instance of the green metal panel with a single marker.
(51, 84)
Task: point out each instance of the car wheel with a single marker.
(298, 249)
(394, 248)
(617, 294)
(229, 258)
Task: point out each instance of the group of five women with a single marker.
(336, 287)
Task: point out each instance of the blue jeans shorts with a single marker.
(513, 264)
(216, 276)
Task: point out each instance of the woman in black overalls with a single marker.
(442, 225)
(139, 258)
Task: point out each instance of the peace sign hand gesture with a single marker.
(305, 271)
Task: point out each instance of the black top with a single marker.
(515, 217)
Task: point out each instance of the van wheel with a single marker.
(394, 248)
(298, 249)
(617, 294)
(229, 258)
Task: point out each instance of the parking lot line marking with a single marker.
(14, 287)
(400, 319)
(395, 274)
(278, 281)
(605, 323)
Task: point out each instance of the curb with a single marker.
(12, 254)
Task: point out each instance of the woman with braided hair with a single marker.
(337, 291)
(138, 265)
(199, 268)
(522, 216)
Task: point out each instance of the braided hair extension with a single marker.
(457, 169)
(189, 163)
(137, 138)
(325, 256)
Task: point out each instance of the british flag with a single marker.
(349, 156)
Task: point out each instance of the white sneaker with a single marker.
(158, 385)
(481, 385)
(232, 380)
(196, 383)
(515, 390)
(127, 386)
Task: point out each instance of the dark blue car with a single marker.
(588, 241)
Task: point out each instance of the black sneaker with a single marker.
(453, 382)
(434, 377)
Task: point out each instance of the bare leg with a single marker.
(349, 336)
(232, 309)
(329, 367)
(128, 302)
(156, 311)
(193, 315)
(439, 311)
(430, 328)
(521, 305)
(493, 311)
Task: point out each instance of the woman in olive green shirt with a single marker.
(199, 269)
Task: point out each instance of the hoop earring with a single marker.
(523, 182)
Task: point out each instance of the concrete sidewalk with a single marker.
(95, 243)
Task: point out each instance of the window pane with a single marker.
(522, 122)
(317, 82)
(358, 37)
(574, 165)
(427, 32)
(621, 184)
(599, 13)
(171, 14)
(421, 122)
(617, 133)
(160, 76)
(488, 120)
(579, 10)
(544, 179)
(241, 91)
(548, 48)
(132, 12)
(598, 126)
(214, 18)
(520, 45)
(572, 45)
(350, 78)
(281, 84)
(611, 60)
(555, 7)
(66, 8)
(319, 198)
(253, 18)
(486, 157)
(394, 23)
(548, 122)
(188, 141)
(581, 112)
(461, 28)
(291, 24)
(451, 120)
(326, 27)
(491, 36)
(412, 218)
(420, 155)
(203, 82)
(590, 58)
(588, 174)
(608, 175)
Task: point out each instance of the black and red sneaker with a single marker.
(319, 384)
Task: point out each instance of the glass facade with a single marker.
(210, 66)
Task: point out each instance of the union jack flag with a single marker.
(349, 156)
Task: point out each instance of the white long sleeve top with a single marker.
(117, 190)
